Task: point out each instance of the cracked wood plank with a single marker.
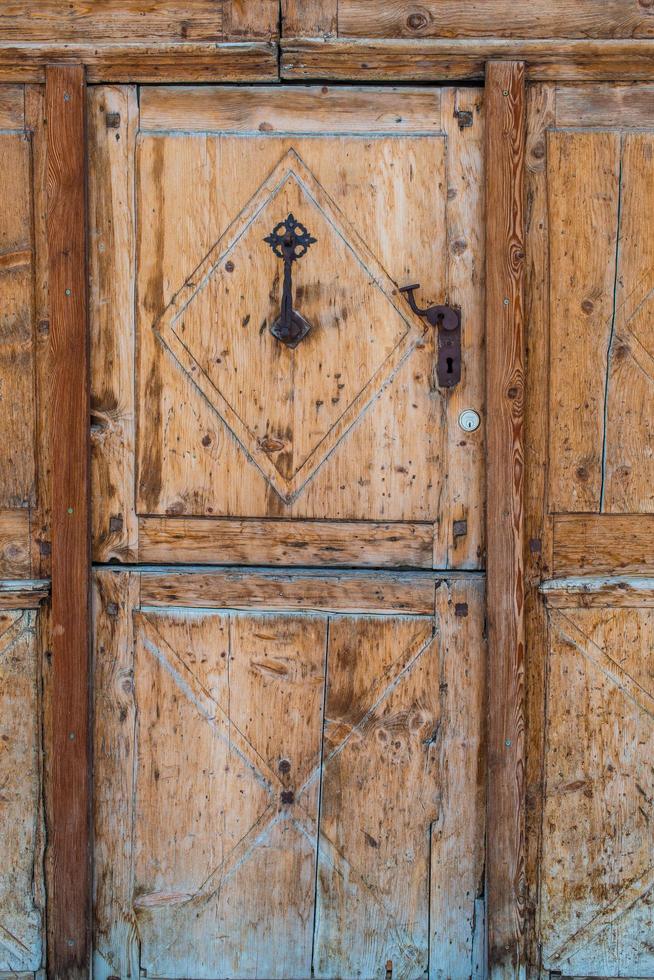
(584, 190)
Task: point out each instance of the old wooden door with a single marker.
(289, 765)
(591, 500)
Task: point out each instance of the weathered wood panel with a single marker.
(495, 18)
(138, 61)
(309, 18)
(225, 542)
(381, 592)
(441, 60)
(115, 20)
(112, 127)
(541, 107)
(462, 526)
(15, 544)
(596, 910)
(22, 946)
(12, 107)
(40, 515)
(603, 105)
(306, 109)
(320, 465)
(277, 818)
(583, 184)
(593, 544)
(505, 267)
(68, 886)
(17, 409)
(602, 343)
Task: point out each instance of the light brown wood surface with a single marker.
(15, 544)
(68, 831)
(494, 18)
(349, 811)
(22, 898)
(593, 544)
(116, 20)
(17, 409)
(113, 124)
(307, 109)
(602, 261)
(228, 542)
(349, 447)
(429, 59)
(143, 61)
(597, 874)
(505, 269)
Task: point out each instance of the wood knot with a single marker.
(418, 20)
(582, 473)
(538, 150)
(588, 306)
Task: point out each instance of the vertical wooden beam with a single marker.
(69, 775)
(505, 267)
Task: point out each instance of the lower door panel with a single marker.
(289, 774)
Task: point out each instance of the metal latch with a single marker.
(447, 319)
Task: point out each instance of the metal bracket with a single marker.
(447, 319)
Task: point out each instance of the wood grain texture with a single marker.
(12, 107)
(442, 60)
(309, 18)
(23, 593)
(22, 899)
(69, 806)
(594, 544)
(584, 189)
(614, 591)
(596, 915)
(137, 61)
(228, 542)
(541, 105)
(495, 18)
(337, 825)
(365, 438)
(17, 409)
(15, 544)
(462, 505)
(383, 593)
(40, 514)
(609, 106)
(505, 254)
(305, 109)
(112, 128)
(113, 20)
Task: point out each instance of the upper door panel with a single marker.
(222, 421)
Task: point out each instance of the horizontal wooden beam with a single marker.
(465, 59)
(126, 61)
(595, 544)
(380, 593)
(23, 593)
(612, 591)
(222, 541)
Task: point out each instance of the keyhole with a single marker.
(449, 365)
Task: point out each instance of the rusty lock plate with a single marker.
(447, 320)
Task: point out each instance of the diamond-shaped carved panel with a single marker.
(289, 408)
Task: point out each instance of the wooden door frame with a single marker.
(69, 783)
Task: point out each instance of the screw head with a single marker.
(469, 420)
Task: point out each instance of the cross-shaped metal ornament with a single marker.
(289, 240)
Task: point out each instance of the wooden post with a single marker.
(505, 262)
(69, 775)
